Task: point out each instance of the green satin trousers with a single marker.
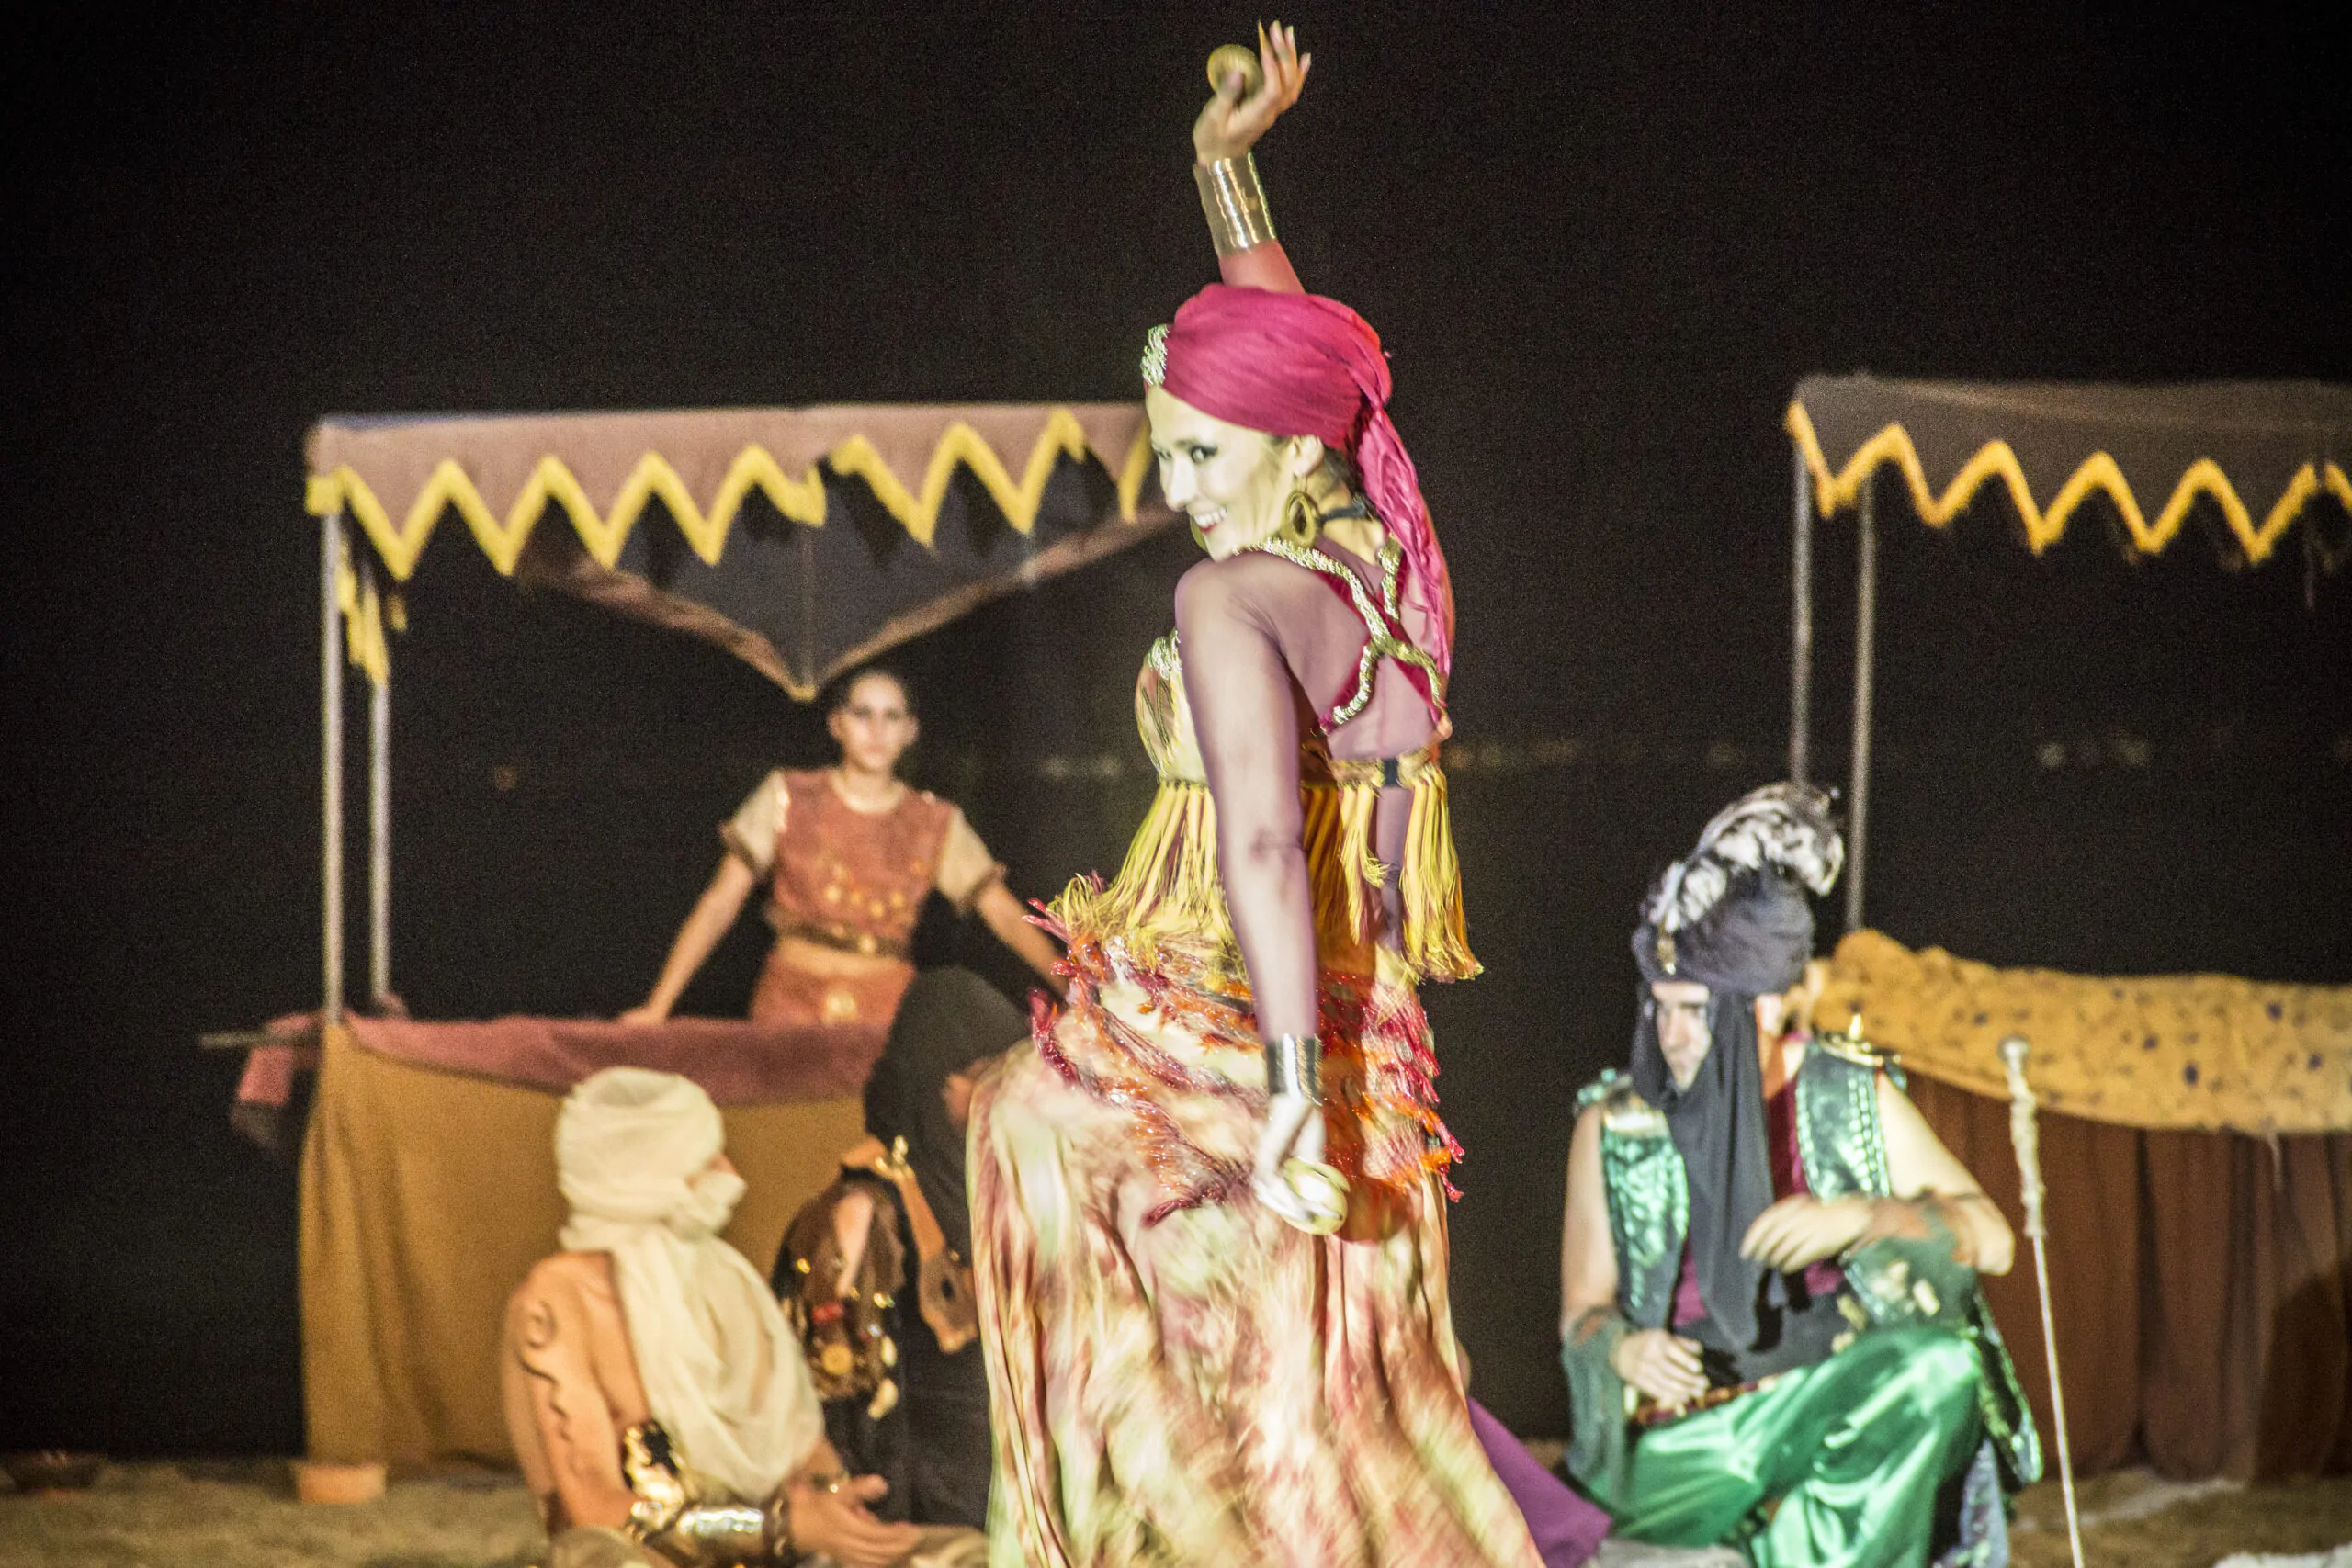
(1836, 1465)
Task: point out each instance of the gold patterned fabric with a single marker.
(2210, 1051)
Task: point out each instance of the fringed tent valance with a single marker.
(798, 576)
(2263, 451)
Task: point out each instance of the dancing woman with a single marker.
(849, 853)
(1207, 1200)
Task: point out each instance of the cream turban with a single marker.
(721, 1367)
(629, 1144)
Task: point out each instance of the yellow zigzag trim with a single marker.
(802, 500)
(2044, 527)
(363, 645)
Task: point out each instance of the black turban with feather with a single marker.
(1733, 916)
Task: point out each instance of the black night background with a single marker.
(1601, 243)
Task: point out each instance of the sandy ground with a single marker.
(2132, 1520)
(242, 1513)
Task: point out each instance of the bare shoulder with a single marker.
(853, 1206)
(1894, 1102)
(1584, 1147)
(1904, 1126)
(1237, 584)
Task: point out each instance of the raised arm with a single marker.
(1248, 254)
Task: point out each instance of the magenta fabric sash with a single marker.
(1302, 365)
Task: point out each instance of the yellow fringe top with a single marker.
(1169, 892)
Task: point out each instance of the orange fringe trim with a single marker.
(1169, 892)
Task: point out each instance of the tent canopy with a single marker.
(2262, 450)
(798, 576)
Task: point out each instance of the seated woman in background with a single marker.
(906, 1392)
(849, 853)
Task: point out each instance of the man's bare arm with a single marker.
(1588, 1257)
(1930, 1187)
(1658, 1361)
(1920, 1168)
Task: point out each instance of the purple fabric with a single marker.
(1568, 1528)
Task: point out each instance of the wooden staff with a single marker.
(2027, 1139)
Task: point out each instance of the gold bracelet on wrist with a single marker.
(1294, 1067)
(1235, 203)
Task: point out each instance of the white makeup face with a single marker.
(872, 727)
(1232, 481)
(1683, 1034)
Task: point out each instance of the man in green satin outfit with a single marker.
(1770, 1318)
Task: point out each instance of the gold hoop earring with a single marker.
(1301, 519)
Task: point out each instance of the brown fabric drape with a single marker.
(2201, 1284)
(425, 1198)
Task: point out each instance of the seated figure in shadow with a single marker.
(874, 1271)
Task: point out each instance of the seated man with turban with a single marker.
(657, 1398)
(1769, 1315)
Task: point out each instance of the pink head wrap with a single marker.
(1301, 364)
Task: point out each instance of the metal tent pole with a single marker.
(1865, 661)
(379, 824)
(331, 762)
(1801, 626)
(2026, 1138)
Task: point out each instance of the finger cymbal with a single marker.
(1321, 1190)
(1227, 58)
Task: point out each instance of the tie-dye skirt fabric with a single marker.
(1177, 1376)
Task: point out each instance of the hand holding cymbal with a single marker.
(1228, 58)
(1251, 92)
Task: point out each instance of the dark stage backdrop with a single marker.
(1603, 243)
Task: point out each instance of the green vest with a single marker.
(1842, 1147)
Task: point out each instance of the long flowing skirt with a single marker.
(1198, 1382)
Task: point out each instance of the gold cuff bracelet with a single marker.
(1235, 203)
